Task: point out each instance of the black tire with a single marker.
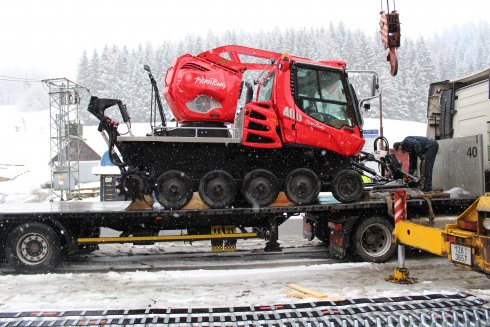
(322, 232)
(33, 248)
(2, 248)
(260, 188)
(371, 240)
(217, 189)
(173, 189)
(347, 186)
(302, 186)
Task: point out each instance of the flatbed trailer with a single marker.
(36, 237)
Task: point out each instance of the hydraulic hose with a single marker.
(112, 133)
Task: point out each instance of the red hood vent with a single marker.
(194, 66)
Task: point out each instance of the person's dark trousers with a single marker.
(430, 158)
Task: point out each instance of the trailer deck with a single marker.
(116, 209)
(28, 230)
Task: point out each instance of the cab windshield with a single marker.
(323, 95)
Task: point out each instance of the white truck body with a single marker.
(458, 117)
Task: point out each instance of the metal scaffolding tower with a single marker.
(65, 137)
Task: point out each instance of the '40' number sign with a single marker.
(472, 152)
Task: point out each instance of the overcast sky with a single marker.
(50, 35)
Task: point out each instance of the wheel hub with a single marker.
(371, 239)
(261, 188)
(32, 249)
(302, 187)
(174, 189)
(347, 187)
(218, 190)
(375, 239)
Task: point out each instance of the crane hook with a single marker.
(389, 25)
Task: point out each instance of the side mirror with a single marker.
(374, 85)
(147, 68)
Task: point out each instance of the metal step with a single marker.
(421, 310)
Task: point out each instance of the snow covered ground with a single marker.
(24, 160)
(234, 287)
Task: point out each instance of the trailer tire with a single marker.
(371, 240)
(33, 248)
(347, 186)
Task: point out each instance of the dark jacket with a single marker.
(416, 146)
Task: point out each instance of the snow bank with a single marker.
(225, 288)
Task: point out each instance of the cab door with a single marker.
(325, 114)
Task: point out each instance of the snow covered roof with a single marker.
(473, 78)
(86, 153)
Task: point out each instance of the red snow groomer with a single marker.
(299, 130)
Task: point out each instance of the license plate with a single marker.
(461, 254)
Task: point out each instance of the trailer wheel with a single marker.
(260, 188)
(302, 186)
(33, 247)
(217, 189)
(173, 189)
(347, 186)
(371, 240)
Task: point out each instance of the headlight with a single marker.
(486, 223)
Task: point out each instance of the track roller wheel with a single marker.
(260, 188)
(217, 189)
(302, 186)
(347, 186)
(173, 189)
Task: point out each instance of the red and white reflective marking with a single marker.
(400, 198)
